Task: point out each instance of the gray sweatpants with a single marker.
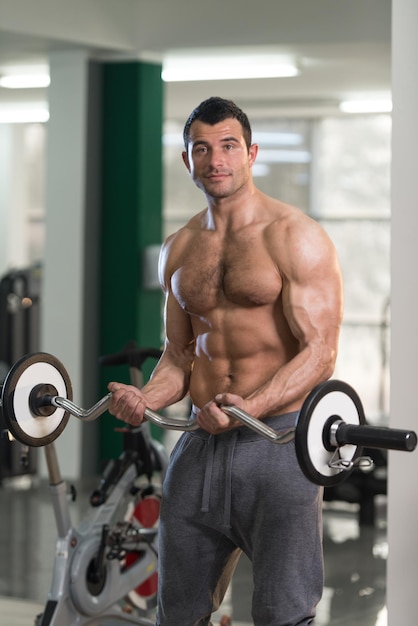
(237, 492)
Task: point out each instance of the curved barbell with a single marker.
(329, 435)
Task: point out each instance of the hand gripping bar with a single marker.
(89, 415)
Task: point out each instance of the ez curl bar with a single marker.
(331, 429)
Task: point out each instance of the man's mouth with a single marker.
(216, 175)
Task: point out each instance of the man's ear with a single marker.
(185, 159)
(253, 151)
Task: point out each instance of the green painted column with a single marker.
(131, 219)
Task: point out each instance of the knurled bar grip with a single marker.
(375, 437)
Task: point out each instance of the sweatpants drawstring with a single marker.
(210, 458)
(228, 480)
(210, 455)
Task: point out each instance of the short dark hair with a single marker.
(214, 110)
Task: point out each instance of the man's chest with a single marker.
(238, 273)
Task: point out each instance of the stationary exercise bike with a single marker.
(105, 570)
(103, 562)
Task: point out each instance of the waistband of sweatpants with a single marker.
(245, 433)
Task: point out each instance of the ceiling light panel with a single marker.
(25, 81)
(228, 66)
(366, 106)
(24, 113)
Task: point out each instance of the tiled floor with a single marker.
(355, 560)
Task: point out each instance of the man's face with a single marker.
(217, 157)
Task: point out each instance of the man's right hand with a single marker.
(127, 403)
(215, 421)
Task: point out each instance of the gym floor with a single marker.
(355, 560)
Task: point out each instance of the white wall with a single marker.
(402, 572)
(6, 138)
(14, 209)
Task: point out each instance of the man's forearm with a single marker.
(291, 383)
(167, 385)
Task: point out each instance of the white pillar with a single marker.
(402, 571)
(64, 265)
(5, 167)
(13, 204)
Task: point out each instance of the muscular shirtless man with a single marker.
(252, 316)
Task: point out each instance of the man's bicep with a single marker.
(313, 305)
(178, 327)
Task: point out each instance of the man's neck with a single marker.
(234, 212)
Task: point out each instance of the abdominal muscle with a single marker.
(237, 352)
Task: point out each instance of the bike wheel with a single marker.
(146, 513)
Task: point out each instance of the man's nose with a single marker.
(216, 157)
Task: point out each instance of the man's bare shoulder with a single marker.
(178, 242)
(293, 237)
(281, 211)
(285, 220)
(184, 234)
